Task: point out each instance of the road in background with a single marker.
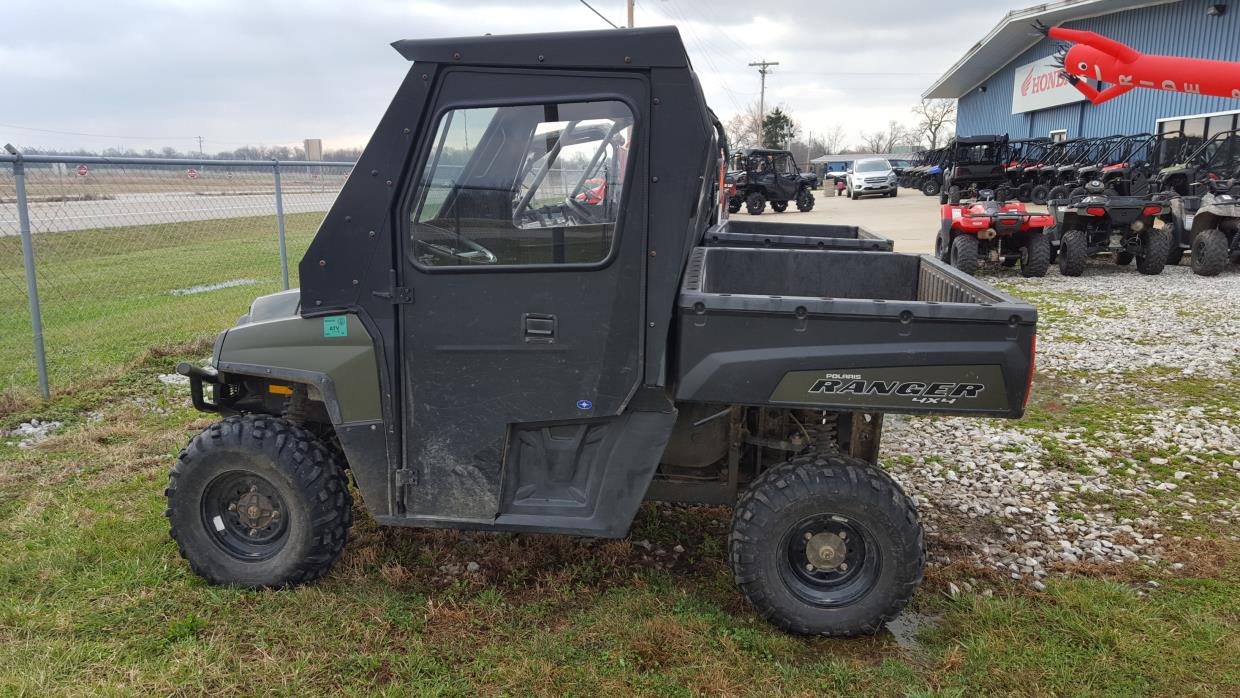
(161, 207)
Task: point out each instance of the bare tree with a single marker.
(833, 139)
(885, 141)
(934, 117)
(742, 128)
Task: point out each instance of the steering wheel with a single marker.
(457, 251)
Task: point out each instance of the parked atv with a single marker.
(995, 231)
(763, 176)
(1094, 220)
(1210, 225)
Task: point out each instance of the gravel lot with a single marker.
(1131, 443)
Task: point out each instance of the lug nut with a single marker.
(253, 532)
(809, 567)
(275, 515)
(843, 566)
(843, 535)
(808, 535)
(232, 507)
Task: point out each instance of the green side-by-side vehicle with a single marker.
(526, 311)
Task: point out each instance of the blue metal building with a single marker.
(999, 87)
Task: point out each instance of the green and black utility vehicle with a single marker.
(760, 176)
(511, 319)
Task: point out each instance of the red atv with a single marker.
(998, 231)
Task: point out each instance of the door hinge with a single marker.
(396, 294)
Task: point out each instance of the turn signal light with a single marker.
(1152, 210)
(1096, 211)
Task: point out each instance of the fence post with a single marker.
(32, 284)
(275, 168)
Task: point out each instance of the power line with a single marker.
(600, 14)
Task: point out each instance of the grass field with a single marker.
(109, 294)
(94, 598)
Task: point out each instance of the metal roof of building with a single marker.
(1013, 35)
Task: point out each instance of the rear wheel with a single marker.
(1003, 192)
(953, 195)
(964, 253)
(734, 204)
(930, 187)
(1035, 255)
(1058, 192)
(1209, 253)
(1072, 253)
(1023, 192)
(1155, 246)
(942, 251)
(805, 201)
(257, 501)
(1039, 194)
(755, 203)
(779, 206)
(894, 192)
(826, 544)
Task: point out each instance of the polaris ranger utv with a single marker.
(762, 176)
(508, 321)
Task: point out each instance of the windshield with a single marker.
(872, 166)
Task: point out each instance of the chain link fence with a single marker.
(134, 253)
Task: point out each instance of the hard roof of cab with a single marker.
(647, 47)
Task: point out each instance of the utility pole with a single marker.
(763, 67)
(199, 145)
(630, 14)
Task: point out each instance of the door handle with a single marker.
(539, 328)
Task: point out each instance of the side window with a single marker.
(522, 185)
(783, 165)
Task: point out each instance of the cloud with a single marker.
(150, 73)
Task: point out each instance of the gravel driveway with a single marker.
(1132, 440)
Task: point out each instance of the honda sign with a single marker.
(1041, 84)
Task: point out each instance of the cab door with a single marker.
(524, 251)
(786, 176)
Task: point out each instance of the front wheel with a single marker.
(1035, 255)
(1155, 247)
(755, 203)
(827, 544)
(1059, 192)
(256, 501)
(805, 201)
(964, 253)
(779, 206)
(931, 187)
(942, 251)
(1209, 253)
(734, 204)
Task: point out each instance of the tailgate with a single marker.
(875, 331)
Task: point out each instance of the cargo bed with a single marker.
(820, 236)
(861, 331)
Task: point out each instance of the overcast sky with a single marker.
(153, 73)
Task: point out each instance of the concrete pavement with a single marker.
(911, 219)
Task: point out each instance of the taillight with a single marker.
(1033, 350)
(1095, 211)
(1152, 210)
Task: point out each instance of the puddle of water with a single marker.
(203, 288)
(905, 627)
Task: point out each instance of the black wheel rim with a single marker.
(847, 572)
(245, 515)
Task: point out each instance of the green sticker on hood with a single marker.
(336, 326)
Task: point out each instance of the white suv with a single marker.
(873, 176)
